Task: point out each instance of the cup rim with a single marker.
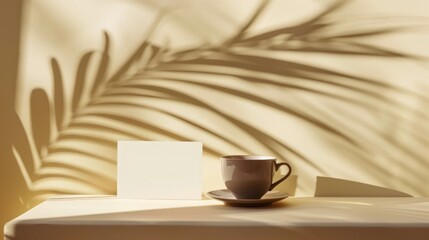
(248, 157)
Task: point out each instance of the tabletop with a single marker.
(109, 217)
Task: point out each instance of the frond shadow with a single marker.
(238, 57)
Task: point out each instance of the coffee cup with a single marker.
(251, 176)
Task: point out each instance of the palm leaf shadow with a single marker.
(303, 72)
(40, 109)
(25, 157)
(22, 145)
(263, 138)
(40, 119)
(102, 68)
(58, 94)
(163, 64)
(80, 81)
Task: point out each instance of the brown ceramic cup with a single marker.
(250, 177)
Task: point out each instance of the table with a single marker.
(93, 218)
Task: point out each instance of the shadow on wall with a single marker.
(11, 182)
(196, 94)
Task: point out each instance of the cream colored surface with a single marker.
(294, 218)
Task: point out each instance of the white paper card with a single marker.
(159, 170)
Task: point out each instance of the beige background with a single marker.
(335, 88)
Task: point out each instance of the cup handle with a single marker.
(278, 165)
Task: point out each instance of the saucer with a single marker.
(228, 198)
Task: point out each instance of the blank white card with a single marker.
(159, 170)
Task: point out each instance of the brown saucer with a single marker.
(226, 196)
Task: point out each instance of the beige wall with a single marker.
(335, 89)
